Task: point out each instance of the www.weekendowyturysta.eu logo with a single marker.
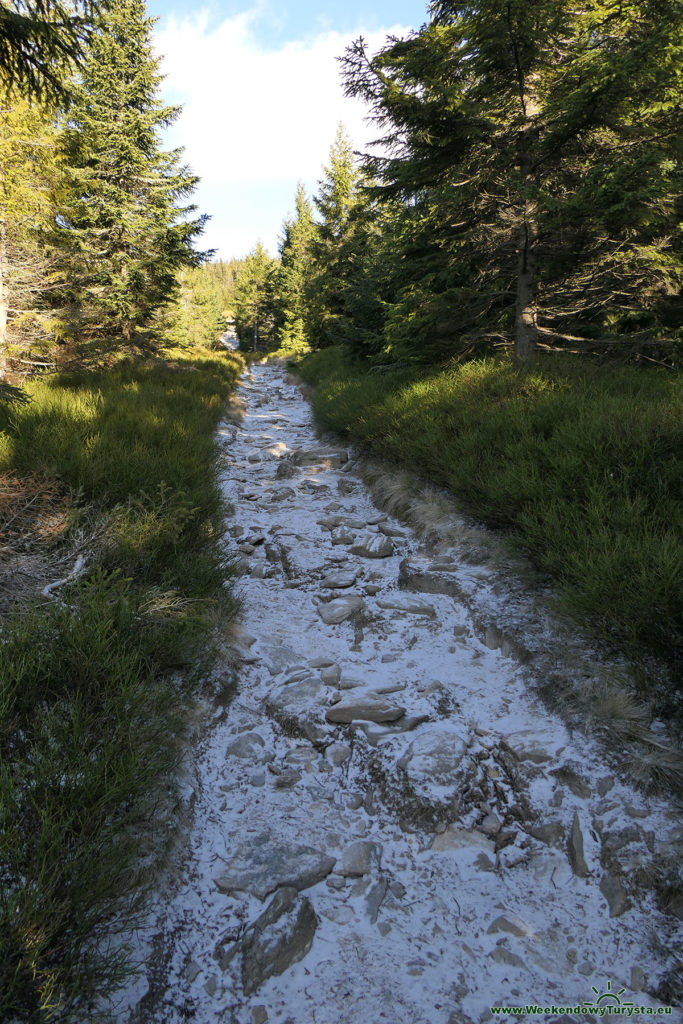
(607, 1003)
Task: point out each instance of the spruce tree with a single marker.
(126, 231)
(536, 147)
(291, 283)
(339, 203)
(254, 299)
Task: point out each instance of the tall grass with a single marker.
(582, 463)
(91, 708)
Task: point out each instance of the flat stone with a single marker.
(364, 709)
(341, 608)
(575, 849)
(338, 753)
(375, 898)
(376, 733)
(501, 955)
(298, 696)
(434, 756)
(331, 675)
(387, 530)
(412, 605)
(249, 746)
(280, 937)
(373, 545)
(340, 580)
(287, 779)
(278, 657)
(527, 747)
(612, 888)
(358, 859)
(456, 838)
(265, 863)
(342, 535)
(508, 923)
(435, 580)
(552, 833)
(320, 662)
(573, 780)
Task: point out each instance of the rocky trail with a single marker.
(386, 823)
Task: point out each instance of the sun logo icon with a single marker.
(609, 996)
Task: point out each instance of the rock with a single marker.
(340, 579)
(257, 779)
(249, 746)
(320, 662)
(287, 779)
(551, 867)
(366, 709)
(504, 956)
(575, 849)
(527, 747)
(278, 657)
(359, 859)
(354, 801)
(573, 780)
(297, 697)
(552, 834)
(605, 785)
(375, 898)
(413, 605)
(265, 863)
(280, 937)
(388, 531)
(259, 1014)
(338, 753)
(491, 825)
(341, 535)
(638, 980)
(340, 609)
(282, 494)
(434, 757)
(433, 581)
(456, 838)
(373, 545)
(612, 888)
(296, 675)
(508, 923)
(331, 675)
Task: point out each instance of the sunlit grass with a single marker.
(583, 464)
(91, 703)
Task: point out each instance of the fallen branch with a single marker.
(74, 574)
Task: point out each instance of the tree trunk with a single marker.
(4, 298)
(526, 332)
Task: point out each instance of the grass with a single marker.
(581, 463)
(92, 705)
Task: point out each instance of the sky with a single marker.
(262, 98)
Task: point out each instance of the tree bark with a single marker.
(4, 298)
(526, 330)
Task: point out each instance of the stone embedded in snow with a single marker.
(331, 458)
(504, 956)
(491, 825)
(340, 579)
(340, 609)
(277, 450)
(526, 747)
(365, 709)
(373, 545)
(407, 604)
(376, 733)
(250, 746)
(456, 838)
(265, 863)
(612, 888)
(435, 756)
(282, 494)
(298, 695)
(436, 581)
(375, 898)
(390, 531)
(320, 662)
(280, 937)
(359, 859)
(508, 923)
(551, 833)
(331, 674)
(338, 753)
(341, 535)
(278, 657)
(575, 849)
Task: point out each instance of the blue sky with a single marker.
(261, 94)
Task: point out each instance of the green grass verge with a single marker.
(583, 464)
(91, 709)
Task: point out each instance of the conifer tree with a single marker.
(127, 232)
(294, 272)
(340, 203)
(253, 299)
(536, 147)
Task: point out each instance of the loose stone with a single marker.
(265, 863)
(342, 608)
(575, 849)
(368, 710)
(373, 545)
(359, 859)
(280, 937)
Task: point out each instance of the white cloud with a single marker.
(255, 120)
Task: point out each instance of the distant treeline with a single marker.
(528, 195)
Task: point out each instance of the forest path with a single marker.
(384, 813)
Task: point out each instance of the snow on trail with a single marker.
(385, 814)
